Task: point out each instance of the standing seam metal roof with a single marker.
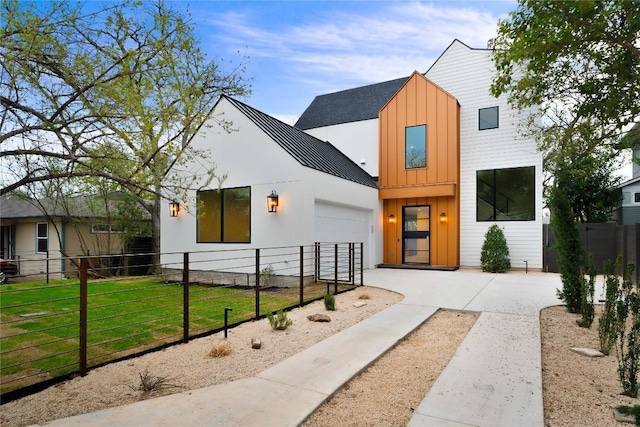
(351, 105)
(306, 149)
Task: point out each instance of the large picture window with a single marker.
(224, 216)
(415, 147)
(42, 237)
(506, 194)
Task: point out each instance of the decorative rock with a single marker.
(319, 318)
(359, 304)
(587, 352)
(256, 343)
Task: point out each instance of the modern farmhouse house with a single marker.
(447, 156)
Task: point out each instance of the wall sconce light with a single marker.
(174, 208)
(392, 219)
(443, 218)
(272, 202)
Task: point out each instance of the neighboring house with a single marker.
(630, 205)
(477, 171)
(32, 230)
(323, 196)
(447, 156)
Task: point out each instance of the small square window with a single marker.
(636, 197)
(488, 118)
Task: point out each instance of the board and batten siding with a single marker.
(467, 74)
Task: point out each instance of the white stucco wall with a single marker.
(357, 140)
(251, 158)
(467, 74)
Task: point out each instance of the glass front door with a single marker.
(415, 234)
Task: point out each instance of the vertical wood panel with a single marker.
(401, 123)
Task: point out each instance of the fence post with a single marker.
(352, 263)
(361, 263)
(185, 297)
(301, 276)
(257, 284)
(335, 270)
(316, 273)
(83, 317)
(47, 267)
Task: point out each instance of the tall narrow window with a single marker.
(506, 194)
(42, 237)
(488, 118)
(224, 216)
(415, 147)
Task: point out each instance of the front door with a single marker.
(415, 234)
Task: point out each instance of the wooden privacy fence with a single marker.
(605, 241)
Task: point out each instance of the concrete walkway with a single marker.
(494, 379)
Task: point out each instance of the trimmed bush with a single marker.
(329, 302)
(280, 321)
(494, 257)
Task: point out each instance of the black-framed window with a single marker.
(488, 118)
(506, 194)
(415, 147)
(224, 216)
(42, 237)
(636, 197)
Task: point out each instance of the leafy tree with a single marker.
(587, 180)
(114, 93)
(569, 247)
(576, 63)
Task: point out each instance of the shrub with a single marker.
(494, 256)
(267, 274)
(150, 382)
(280, 321)
(587, 289)
(607, 332)
(364, 296)
(222, 348)
(628, 344)
(569, 247)
(329, 302)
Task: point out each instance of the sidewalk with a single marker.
(493, 379)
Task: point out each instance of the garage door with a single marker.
(335, 223)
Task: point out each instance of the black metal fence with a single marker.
(53, 328)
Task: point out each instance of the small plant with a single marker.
(330, 302)
(494, 256)
(222, 348)
(628, 344)
(364, 296)
(630, 410)
(267, 274)
(150, 382)
(587, 290)
(607, 332)
(280, 321)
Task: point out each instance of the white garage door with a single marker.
(336, 223)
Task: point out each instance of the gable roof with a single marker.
(351, 105)
(453, 43)
(79, 207)
(306, 149)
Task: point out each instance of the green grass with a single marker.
(39, 322)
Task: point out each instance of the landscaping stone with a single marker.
(256, 343)
(587, 352)
(319, 318)
(359, 304)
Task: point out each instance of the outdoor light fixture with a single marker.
(443, 218)
(392, 219)
(174, 209)
(272, 202)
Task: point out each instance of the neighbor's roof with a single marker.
(352, 105)
(307, 150)
(79, 206)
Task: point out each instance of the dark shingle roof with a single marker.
(352, 105)
(307, 150)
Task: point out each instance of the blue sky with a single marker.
(299, 49)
